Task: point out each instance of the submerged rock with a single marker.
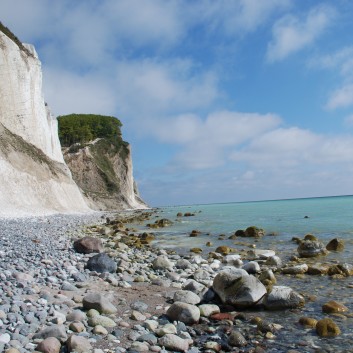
(282, 297)
(308, 322)
(308, 248)
(327, 328)
(334, 307)
(335, 245)
(295, 270)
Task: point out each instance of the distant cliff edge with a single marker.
(34, 178)
(99, 160)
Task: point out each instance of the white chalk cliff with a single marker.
(34, 178)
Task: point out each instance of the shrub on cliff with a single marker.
(82, 128)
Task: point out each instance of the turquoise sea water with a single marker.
(329, 217)
(326, 218)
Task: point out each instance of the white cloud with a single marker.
(151, 87)
(341, 98)
(205, 142)
(147, 21)
(348, 121)
(67, 93)
(237, 17)
(295, 148)
(291, 34)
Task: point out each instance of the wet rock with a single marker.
(88, 245)
(310, 237)
(235, 288)
(265, 326)
(186, 296)
(274, 261)
(196, 250)
(195, 233)
(308, 321)
(174, 343)
(101, 263)
(341, 269)
(224, 250)
(261, 254)
(49, 345)
(187, 313)
(334, 307)
(231, 259)
(308, 248)
(335, 245)
(251, 267)
(282, 297)
(267, 278)
(236, 339)
(295, 270)
(255, 232)
(98, 302)
(78, 344)
(317, 269)
(327, 328)
(161, 223)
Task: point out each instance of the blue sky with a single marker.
(221, 100)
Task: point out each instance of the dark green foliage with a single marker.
(76, 130)
(82, 128)
(9, 34)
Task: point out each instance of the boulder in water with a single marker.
(238, 289)
(282, 297)
(308, 248)
(335, 245)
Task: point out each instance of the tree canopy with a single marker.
(82, 128)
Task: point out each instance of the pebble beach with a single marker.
(128, 296)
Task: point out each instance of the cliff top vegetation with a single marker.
(82, 128)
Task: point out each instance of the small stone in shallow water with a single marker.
(335, 245)
(327, 328)
(237, 339)
(308, 321)
(334, 307)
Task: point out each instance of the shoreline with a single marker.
(135, 281)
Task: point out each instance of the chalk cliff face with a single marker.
(33, 176)
(103, 171)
